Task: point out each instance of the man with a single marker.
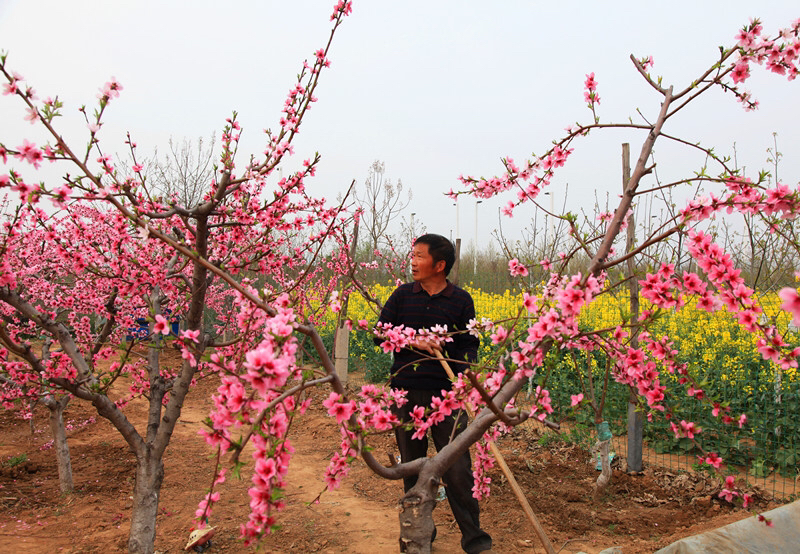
(429, 301)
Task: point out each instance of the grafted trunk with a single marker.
(146, 490)
(605, 474)
(602, 446)
(63, 461)
(416, 516)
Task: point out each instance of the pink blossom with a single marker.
(713, 459)
(728, 495)
(791, 303)
(31, 115)
(546, 265)
(383, 420)
(188, 355)
(340, 410)
(345, 7)
(689, 428)
(529, 302)
(30, 153)
(111, 89)
(517, 269)
(266, 468)
(161, 325)
(741, 71)
(192, 335)
(577, 399)
(698, 393)
(590, 84)
(335, 305)
(500, 334)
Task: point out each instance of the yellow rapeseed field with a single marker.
(713, 344)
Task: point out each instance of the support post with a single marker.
(341, 354)
(341, 337)
(635, 418)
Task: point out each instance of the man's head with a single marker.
(439, 249)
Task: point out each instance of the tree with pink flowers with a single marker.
(82, 260)
(85, 260)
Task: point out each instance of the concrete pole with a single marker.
(458, 222)
(341, 351)
(475, 258)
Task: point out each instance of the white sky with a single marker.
(434, 88)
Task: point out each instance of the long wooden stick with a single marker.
(523, 501)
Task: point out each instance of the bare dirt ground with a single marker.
(639, 513)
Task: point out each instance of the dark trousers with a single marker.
(458, 479)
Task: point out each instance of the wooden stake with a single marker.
(518, 492)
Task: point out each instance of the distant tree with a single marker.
(183, 174)
(381, 202)
(757, 249)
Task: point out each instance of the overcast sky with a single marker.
(433, 88)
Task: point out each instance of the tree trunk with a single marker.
(602, 447)
(60, 445)
(416, 516)
(146, 491)
(605, 474)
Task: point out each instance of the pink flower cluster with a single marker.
(737, 298)
(29, 152)
(483, 462)
(517, 269)
(729, 494)
(590, 91)
(441, 407)
(780, 55)
(343, 7)
(372, 413)
(528, 180)
(399, 337)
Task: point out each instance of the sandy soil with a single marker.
(640, 513)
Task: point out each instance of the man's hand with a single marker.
(427, 345)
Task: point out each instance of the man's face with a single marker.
(422, 266)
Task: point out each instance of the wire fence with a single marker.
(720, 355)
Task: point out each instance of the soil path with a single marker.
(353, 517)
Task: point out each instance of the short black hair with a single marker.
(440, 248)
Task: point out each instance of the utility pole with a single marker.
(475, 258)
(458, 222)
